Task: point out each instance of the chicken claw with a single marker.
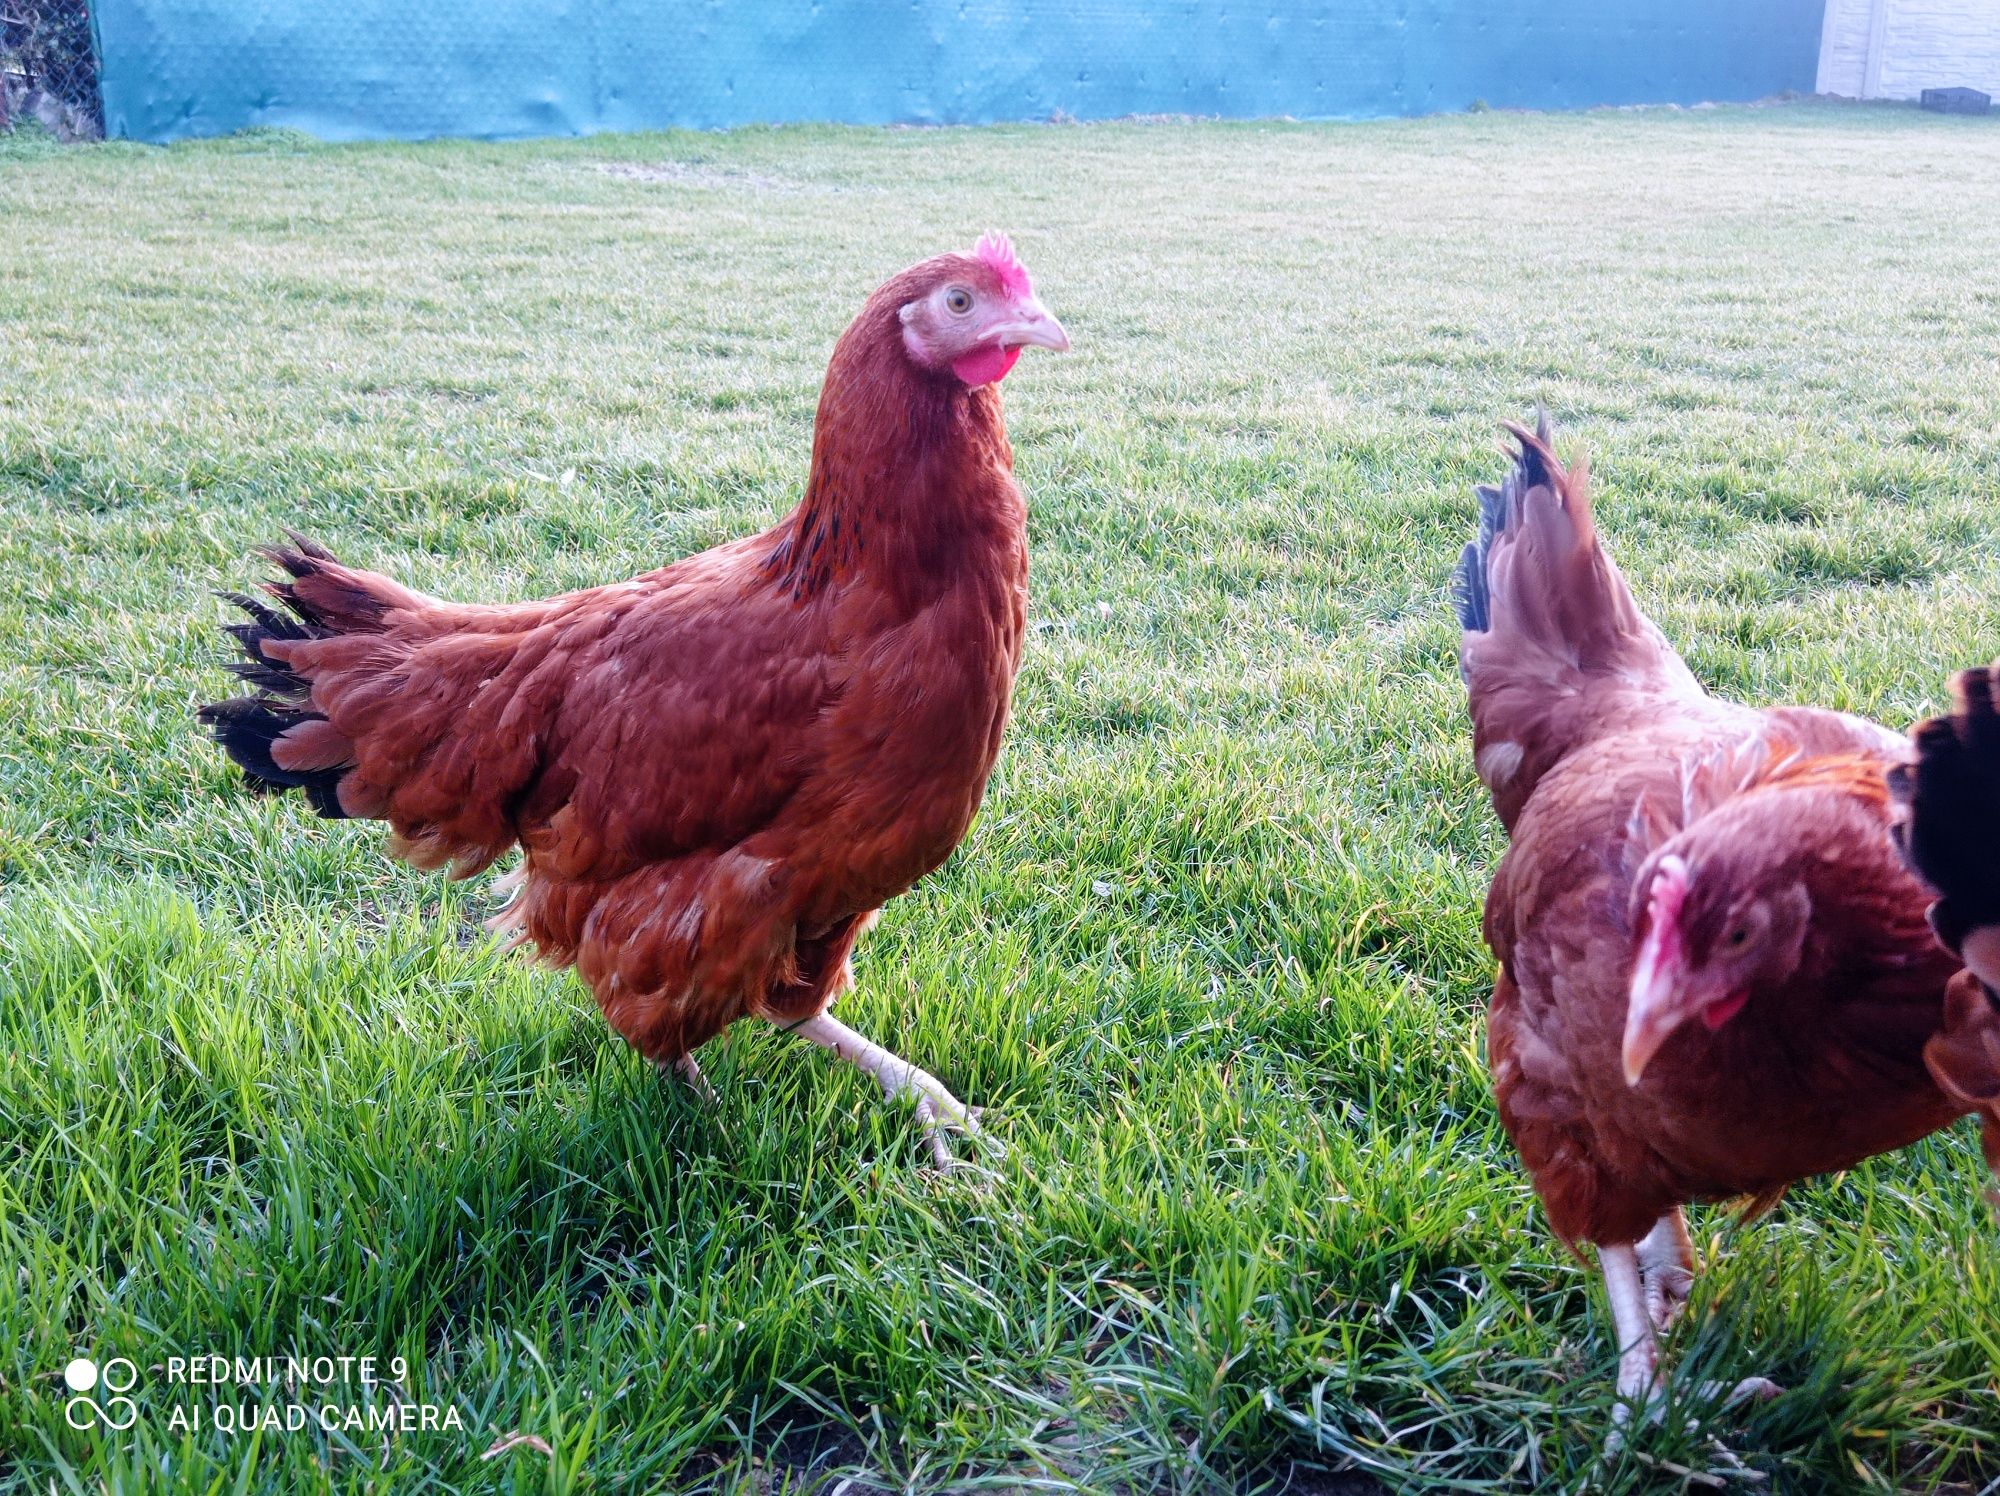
(1750, 1389)
(936, 1120)
(1666, 1269)
(1634, 1317)
(689, 1074)
(938, 1111)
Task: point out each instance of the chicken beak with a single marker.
(1030, 327)
(1650, 1014)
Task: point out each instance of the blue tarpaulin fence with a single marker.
(353, 69)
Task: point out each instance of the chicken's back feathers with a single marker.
(717, 771)
(1555, 651)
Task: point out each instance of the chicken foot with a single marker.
(938, 1111)
(690, 1075)
(1633, 1317)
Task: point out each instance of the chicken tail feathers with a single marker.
(378, 703)
(323, 594)
(1502, 510)
(1948, 823)
(1535, 567)
(1554, 646)
(275, 736)
(1949, 809)
(1469, 593)
(250, 729)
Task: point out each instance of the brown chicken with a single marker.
(1715, 973)
(1949, 820)
(719, 771)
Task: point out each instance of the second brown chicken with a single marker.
(1716, 977)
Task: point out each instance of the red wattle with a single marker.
(1715, 1015)
(989, 365)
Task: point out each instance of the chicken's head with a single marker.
(1720, 918)
(972, 314)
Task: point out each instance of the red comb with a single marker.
(996, 252)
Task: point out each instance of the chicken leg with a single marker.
(1666, 1268)
(938, 1111)
(1638, 1349)
(1633, 1316)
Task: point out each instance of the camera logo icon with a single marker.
(116, 1412)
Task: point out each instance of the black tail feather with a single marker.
(338, 604)
(1950, 799)
(1468, 588)
(1469, 592)
(247, 726)
(263, 619)
(296, 565)
(269, 680)
(256, 667)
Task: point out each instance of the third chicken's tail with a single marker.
(1552, 636)
(1948, 797)
(1948, 822)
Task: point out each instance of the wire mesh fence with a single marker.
(48, 68)
(347, 69)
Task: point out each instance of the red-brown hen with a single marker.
(719, 771)
(1715, 978)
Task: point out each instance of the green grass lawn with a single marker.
(1211, 956)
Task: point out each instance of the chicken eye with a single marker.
(1739, 937)
(958, 301)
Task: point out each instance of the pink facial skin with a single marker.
(991, 365)
(1664, 951)
(1664, 992)
(976, 320)
(1661, 951)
